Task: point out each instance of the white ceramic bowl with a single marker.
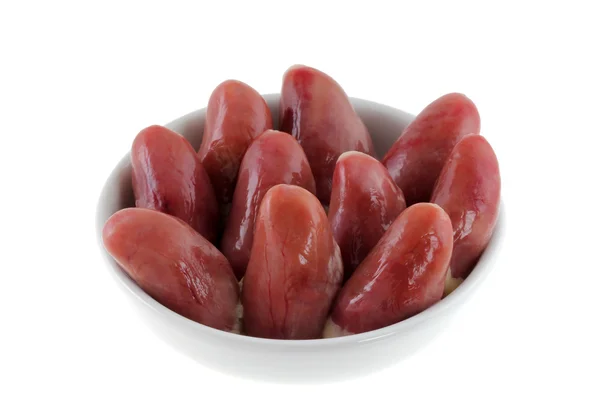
(289, 360)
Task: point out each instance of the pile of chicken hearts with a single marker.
(242, 223)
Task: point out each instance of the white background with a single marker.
(79, 80)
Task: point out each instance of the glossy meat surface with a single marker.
(418, 155)
(169, 177)
(235, 115)
(364, 203)
(273, 158)
(468, 190)
(318, 113)
(295, 267)
(402, 276)
(175, 265)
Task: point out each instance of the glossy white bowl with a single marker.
(289, 360)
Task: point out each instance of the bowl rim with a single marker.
(463, 291)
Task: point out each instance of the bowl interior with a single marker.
(384, 124)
